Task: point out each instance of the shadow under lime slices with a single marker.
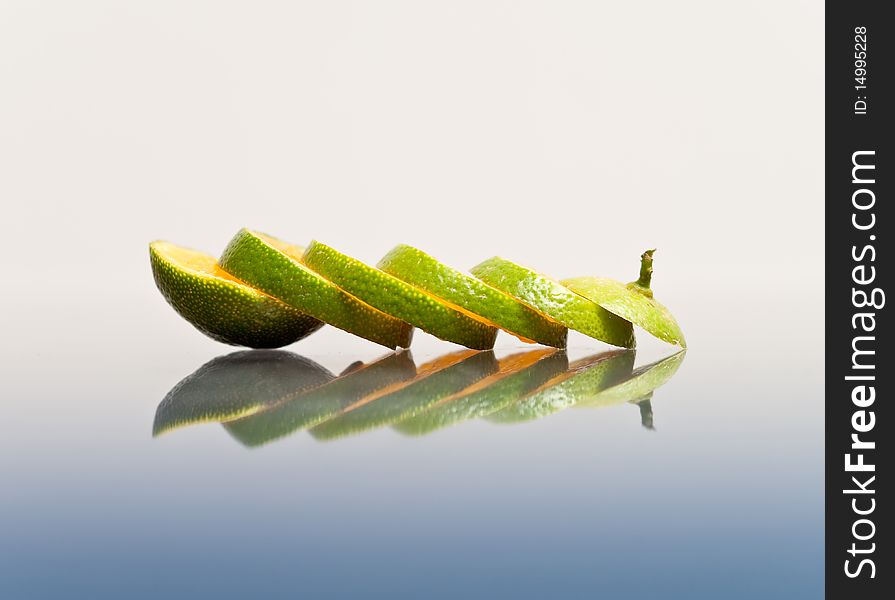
(584, 379)
(519, 375)
(236, 385)
(435, 380)
(323, 402)
(640, 385)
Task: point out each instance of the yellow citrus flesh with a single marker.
(220, 305)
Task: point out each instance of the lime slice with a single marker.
(323, 402)
(632, 301)
(394, 297)
(236, 385)
(557, 302)
(219, 305)
(275, 267)
(519, 375)
(435, 380)
(471, 296)
(584, 379)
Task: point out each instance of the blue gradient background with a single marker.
(722, 500)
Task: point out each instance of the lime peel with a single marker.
(399, 299)
(633, 301)
(550, 298)
(274, 267)
(472, 296)
(220, 305)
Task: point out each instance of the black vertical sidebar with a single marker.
(859, 268)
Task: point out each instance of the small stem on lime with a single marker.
(646, 269)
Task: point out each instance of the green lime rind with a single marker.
(256, 259)
(238, 384)
(509, 388)
(640, 385)
(549, 297)
(323, 402)
(585, 379)
(225, 310)
(628, 303)
(421, 270)
(410, 400)
(401, 300)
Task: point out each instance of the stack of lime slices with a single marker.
(267, 293)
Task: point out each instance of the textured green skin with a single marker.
(640, 385)
(559, 303)
(600, 372)
(420, 270)
(410, 400)
(232, 386)
(493, 398)
(626, 302)
(252, 260)
(394, 297)
(323, 402)
(227, 311)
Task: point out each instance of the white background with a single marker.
(567, 135)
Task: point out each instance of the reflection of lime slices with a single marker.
(236, 385)
(550, 298)
(471, 295)
(584, 379)
(274, 267)
(323, 402)
(519, 374)
(394, 297)
(640, 385)
(435, 380)
(221, 306)
(633, 301)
